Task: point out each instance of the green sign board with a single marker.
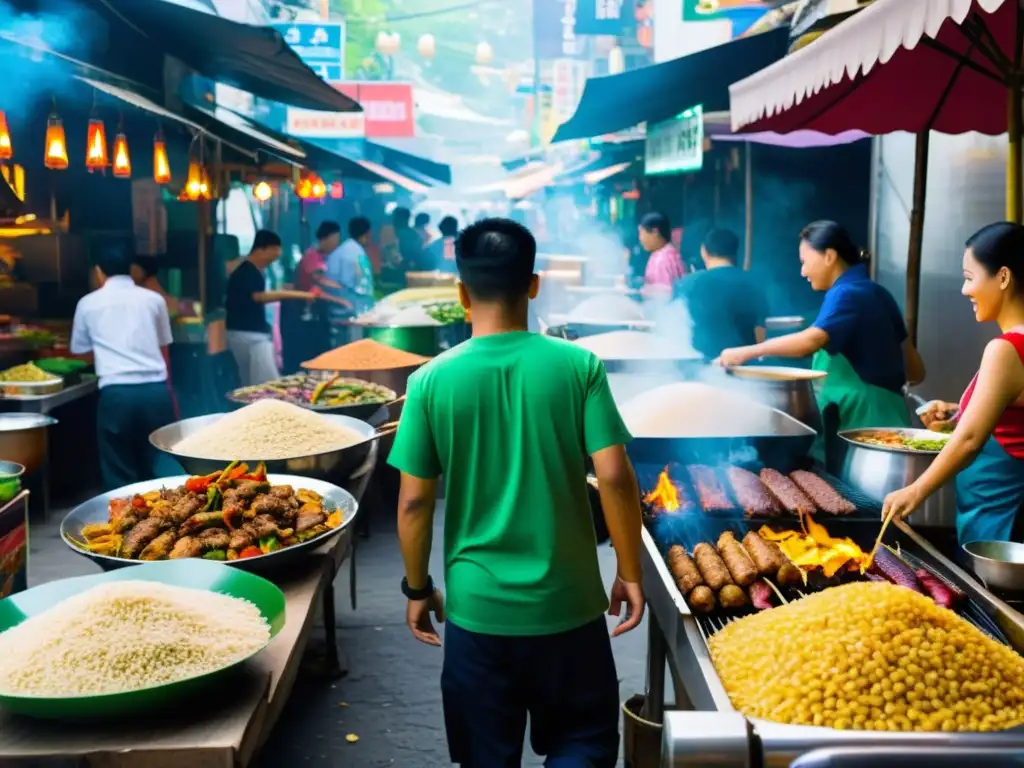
(676, 145)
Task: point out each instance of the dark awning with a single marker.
(417, 168)
(254, 59)
(662, 91)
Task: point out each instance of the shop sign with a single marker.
(554, 29)
(388, 113)
(742, 13)
(568, 76)
(321, 45)
(604, 17)
(676, 145)
(313, 124)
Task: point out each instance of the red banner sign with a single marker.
(388, 108)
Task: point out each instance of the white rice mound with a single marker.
(267, 430)
(607, 308)
(634, 345)
(126, 636)
(690, 409)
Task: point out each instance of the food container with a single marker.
(23, 438)
(790, 390)
(97, 510)
(10, 480)
(426, 340)
(1000, 564)
(878, 470)
(31, 388)
(192, 574)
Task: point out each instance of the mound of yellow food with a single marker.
(870, 656)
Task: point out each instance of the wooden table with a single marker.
(223, 729)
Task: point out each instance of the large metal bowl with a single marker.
(23, 438)
(790, 390)
(18, 389)
(877, 471)
(335, 466)
(96, 510)
(999, 564)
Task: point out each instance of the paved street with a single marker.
(391, 698)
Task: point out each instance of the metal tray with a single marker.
(15, 389)
(850, 436)
(96, 510)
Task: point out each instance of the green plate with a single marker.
(192, 574)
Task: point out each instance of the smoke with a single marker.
(28, 43)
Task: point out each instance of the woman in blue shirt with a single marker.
(858, 338)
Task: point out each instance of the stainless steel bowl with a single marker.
(97, 510)
(23, 438)
(999, 564)
(877, 471)
(790, 390)
(335, 466)
(31, 388)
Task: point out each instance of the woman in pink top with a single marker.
(665, 265)
(304, 330)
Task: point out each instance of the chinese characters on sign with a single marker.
(388, 112)
(677, 145)
(320, 45)
(604, 17)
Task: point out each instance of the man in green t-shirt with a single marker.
(508, 418)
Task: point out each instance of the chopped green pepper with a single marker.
(216, 554)
(212, 498)
(269, 544)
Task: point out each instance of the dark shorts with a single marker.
(566, 683)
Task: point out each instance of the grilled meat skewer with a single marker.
(711, 566)
(736, 559)
(138, 537)
(186, 546)
(767, 556)
(701, 600)
(822, 494)
(787, 494)
(751, 494)
(732, 596)
(711, 493)
(684, 570)
(789, 576)
(160, 547)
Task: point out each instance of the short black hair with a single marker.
(113, 259)
(722, 244)
(824, 234)
(266, 239)
(358, 226)
(449, 226)
(150, 265)
(400, 216)
(658, 222)
(495, 258)
(326, 229)
(422, 219)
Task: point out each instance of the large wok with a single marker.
(96, 510)
(336, 466)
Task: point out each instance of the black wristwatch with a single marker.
(418, 594)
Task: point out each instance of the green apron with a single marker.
(858, 404)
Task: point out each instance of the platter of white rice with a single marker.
(131, 640)
(692, 409)
(635, 346)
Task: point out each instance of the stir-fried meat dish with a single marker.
(229, 515)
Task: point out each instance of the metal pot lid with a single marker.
(15, 422)
(775, 373)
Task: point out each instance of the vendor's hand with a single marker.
(632, 594)
(902, 504)
(315, 292)
(417, 616)
(940, 416)
(733, 357)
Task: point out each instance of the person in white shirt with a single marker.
(127, 330)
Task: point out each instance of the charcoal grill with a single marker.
(706, 730)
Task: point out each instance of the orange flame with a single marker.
(815, 548)
(96, 146)
(122, 160)
(56, 156)
(665, 495)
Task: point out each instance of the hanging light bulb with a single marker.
(310, 187)
(319, 188)
(6, 148)
(122, 160)
(96, 146)
(161, 166)
(484, 53)
(262, 191)
(427, 46)
(193, 189)
(56, 156)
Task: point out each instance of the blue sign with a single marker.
(317, 43)
(328, 72)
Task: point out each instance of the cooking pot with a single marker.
(23, 438)
(790, 390)
(999, 564)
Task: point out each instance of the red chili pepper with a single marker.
(138, 502)
(199, 483)
(249, 552)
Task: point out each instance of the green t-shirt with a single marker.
(509, 419)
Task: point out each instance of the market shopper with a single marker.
(440, 254)
(350, 272)
(665, 265)
(249, 337)
(422, 228)
(727, 305)
(127, 330)
(858, 338)
(985, 453)
(508, 418)
(144, 273)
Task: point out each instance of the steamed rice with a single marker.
(634, 345)
(267, 430)
(689, 409)
(608, 308)
(126, 636)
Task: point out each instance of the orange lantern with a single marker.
(6, 148)
(122, 160)
(197, 183)
(161, 166)
(96, 146)
(319, 188)
(56, 156)
(310, 187)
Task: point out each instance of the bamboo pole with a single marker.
(748, 235)
(1014, 195)
(913, 294)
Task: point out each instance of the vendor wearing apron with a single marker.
(858, 338)
(986, 451)
(248, 330)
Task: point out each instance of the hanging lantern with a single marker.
(6, 148)
(122, 160)
(337, 190)
(319, 188)
(161, 166)
(310, 187)
(388, 44)
(484, 53)
(262, 191)
(194, 182)
(427, 46)
(96, 146)
(56, 156)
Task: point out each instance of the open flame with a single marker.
(815, 548)
(665, 496)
